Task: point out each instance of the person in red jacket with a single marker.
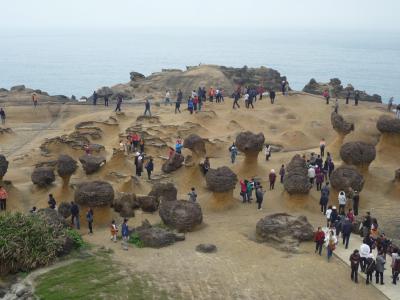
(319, 239)
(243, 189)
(272, 178)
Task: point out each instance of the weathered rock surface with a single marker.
(64, 209)
(206, 248)
(340, 125)
(357, 153)
(66, 166)
(347, 176)
(181, 215)
(156, 237)
(388, 124)
(91, 163)
(296, 180)
(164, 191)
(94, 193)
(196, 144)
(148, 203)
(3, 166)
(221, 180)
(250, 143)
(125, 204)
(284, 231)
(173, 163)
(43, 176)
(335, 85)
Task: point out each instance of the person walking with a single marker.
(106, 100)
(113, 231)
(311, 174)
(125, 234)
(398, 111)
(319, 238)
(190, 105)
(370, 268)
(366, 224)
(395, 265)
(236, 97)
(95, 96)
(246, 100)
(319, 178)
(347, 228)
(52, 202)
(379, 268)
(3, 198)
(325, 191)
(243, 190)
(3, 116)
(354, 264)
(390, 104)
(35, 100)
(234, 151)
(147, 107)
(139, 164)
(89, 219)
(119, 103)
(149, 168)
(272, 96)
(75, 215)
(282, 172)
(192, 195)
(168, 98)
(356, 98)
(259, 196)
(272, 178)
(178, 101)
(348, 94)
(356, 201)
(249, 190)
(330, 243)
(267, 152)
(325, 94)
(365, 250)
(342, 202)
(336, 107)
(328, 215)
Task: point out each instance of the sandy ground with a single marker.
(241, 269)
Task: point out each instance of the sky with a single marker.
(362, 15)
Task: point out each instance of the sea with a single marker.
(78, 61)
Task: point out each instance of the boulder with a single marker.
(357, 153)
(221, 180)
(64, 209)
(94, 193)
(173, 163)
(340, 125)
(181, 215)
(66, 166)
(250, 143)
(3, 166)
(347, 176)
(105, 91)
(135, 76)
(296, 180)
(284, 231)
(206, 248)
(196, 144)
(43, 176)
(125, 204)
(18, 88)
(164, 191)
(148, 203)
(388, 124)
(91, 163)
(156, 237)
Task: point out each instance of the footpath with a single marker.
(389, 290)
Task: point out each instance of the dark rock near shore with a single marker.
(284, 231)
(173, 163)
(195, 143)
(164, 191)
(3, 166)
(91, 164)
(43, 176)
(388, 124)
(340, 125)
(221, 180)
(357, 153)
(66, 166)
(296, 180)
(181, 215)
(135, 76)
(94, 193)
(347, 176)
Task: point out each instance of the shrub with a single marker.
(135, 240)
(75, 237)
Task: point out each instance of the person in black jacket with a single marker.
(52, 202)
(354, 263)
(347, 228)
(75, 215)
(370, 268)
(149, 168)
(272, 96)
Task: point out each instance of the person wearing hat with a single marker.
(334, 216)
(272, 178)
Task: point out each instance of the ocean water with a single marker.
(75, 62)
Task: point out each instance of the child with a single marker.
(114, 231)
(192, 195)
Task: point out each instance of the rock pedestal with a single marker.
(221, 182)
(250, 145)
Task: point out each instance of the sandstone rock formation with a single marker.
(66, 166)
(148, 203)
(221, 180)
(94, 193)
(388, 124)
(181, 215)
(64, 209)
(250, 144)
(284, 231)
(3, 166)
(92, 163)
(335, 85)
(296, 180)
(43, 176)
(196, 144)
(340, 125)
(156, 237)
(173, 163)
(164, 191)
(20, 94)
(358, 153)
(125, 204)
(347, 176)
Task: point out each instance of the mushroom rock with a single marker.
(181, 215)
(196, 144)
(340, 125)
(296, 180)
(250, 144)
(347, 176)
(66, 166)
(92, 163)
(125, 204)
(173, 163)
(3, 166)
(94, 193)
(148, 203)
(388, 124)
(358, 153)
(164, 191)
(43, 176)
(221, 182)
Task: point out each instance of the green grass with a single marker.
(97, 277)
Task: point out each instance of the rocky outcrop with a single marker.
(64, 209)
(358, 153)
(340, 125)
(250, 144)
(22, 95)
(206, 248)
(284, 231)
(196, 144)
(66, 166)
(135, 76)
(3, 166)
(347, 176)
(221, 180)
(388, 124)
(94, 193)
(173, 163)
(75, 141)
(156, 237)
(148, 203)
(336, 88)
(296, 180)
(164, 191)
(181, 215)
(91, 163)
(125, 204)
(43, 176)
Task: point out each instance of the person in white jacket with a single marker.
(311, 174)
(342, 202)
(364, 254)
(330, 243)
